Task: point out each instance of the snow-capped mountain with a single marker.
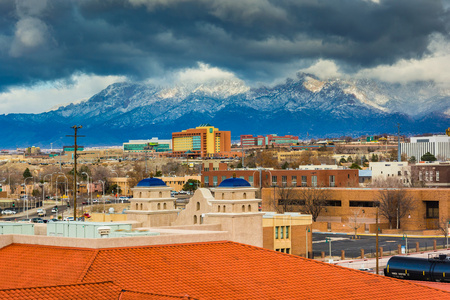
(301, 106)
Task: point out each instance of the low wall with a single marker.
(99, 217)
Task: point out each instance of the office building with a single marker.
(438, 145)
(147, 146)
(249, 141)
(202, 141)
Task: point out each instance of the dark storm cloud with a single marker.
(45, 40)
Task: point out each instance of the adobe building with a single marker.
(152, 204)
(429, 208)
(234, 207)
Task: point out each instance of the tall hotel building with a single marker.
(203, 141)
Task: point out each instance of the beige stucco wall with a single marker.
(243, 228)
(198, 205)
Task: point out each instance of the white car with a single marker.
(41, 212)
(8, 212)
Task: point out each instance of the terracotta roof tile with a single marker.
(31, 265)
(134, 295)
(99, 291)
(213, 270)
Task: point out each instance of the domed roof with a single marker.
(150, 182)
(234, 182)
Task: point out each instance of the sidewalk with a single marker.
(381, 234)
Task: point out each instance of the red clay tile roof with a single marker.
(133, 295)
(98, 291)
(214, 270)
(31, 265)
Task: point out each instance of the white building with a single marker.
(438, 145)
(395, 171)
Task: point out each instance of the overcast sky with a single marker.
(59, 51)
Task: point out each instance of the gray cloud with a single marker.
(255, 39)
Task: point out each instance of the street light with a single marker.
(89, 187)
(103, 189)
(67, 181)
(43, 186)
(328, 240)
(25, 187)
(307, 246)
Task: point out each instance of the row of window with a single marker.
(284, 250)
(304, 181)
(282, 232)
(428, 175)
(158, 206)
(329, 203)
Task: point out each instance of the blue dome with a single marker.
(234, 182)
(150, 182)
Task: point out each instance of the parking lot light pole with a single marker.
(25, 187)
(307, 246)
(328, 240)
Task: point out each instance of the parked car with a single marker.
(41, 212)
(37, 220)
(8, 212)
(52, 220)
(95, 201)
(68, 219)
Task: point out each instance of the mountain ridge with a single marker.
(304, 106)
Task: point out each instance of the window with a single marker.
(437, 175)
(287, 231)
(243, 208)
(361, 204)
(274, 180)
(224, 208)
(249, 207)
(159, 206)
(332, 181)
(195, 219)
(244, 195)
(276, 232)
(314, 180)
(218, 208)
(206, 181)
(250, 180)
(304, 181)
(206, 169)
(198, 205)
(137, 206)
(399, 173)
(288, 250)
(214, 180)
(281, 232)
(165, 205)
(333, 203)
(142, 207)
(294, 180)
(284, 180)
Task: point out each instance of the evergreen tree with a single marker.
(27, 173)
(191, 185)
(428, 157)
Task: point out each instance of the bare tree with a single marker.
(444, 227)
(354, 224)
(312, 200)
(285, 199)
(394, 204)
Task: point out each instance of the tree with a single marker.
(412, 159)
(394, 204)
(354, 224)
(428, 157)
(349, 159)
(266, 159)
(444, 224)
(285, 198)
(285, 165)
(355, 166)
(374, 158)
(27, 173)
(113, 188)
(342, 161)
(191, 185)
(313, 199)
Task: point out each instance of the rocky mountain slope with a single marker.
(301, 106)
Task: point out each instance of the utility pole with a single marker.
(377, 268)
(399, 152)
(75, 128)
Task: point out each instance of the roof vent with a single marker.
(104, 231)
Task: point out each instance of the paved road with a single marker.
(353, 247)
